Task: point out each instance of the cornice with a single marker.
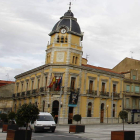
(70, 66)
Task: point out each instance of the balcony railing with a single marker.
(22, 94)
(34, 91)
(13, 96)
(18, 94)
(104, 93)
(116, 94)
(28, 93)
(42, 89)
(92, 92)
(69, 89)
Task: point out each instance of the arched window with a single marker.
(62, 39)
(89, 109)
(66, 40)
(102, 106)
(58, 39)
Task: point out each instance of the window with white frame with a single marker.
(127, 88)
(137, 89)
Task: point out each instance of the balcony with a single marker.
(35, 92)
(132, 94)
(69, 89)
(92, 92)
(42, 89)
(28, 93)
(13, 95)
(55, 91)
(116, 95)
(104, 94)
(18, 95)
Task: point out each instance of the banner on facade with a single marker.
(73, 99)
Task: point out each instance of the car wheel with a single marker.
(53, 131)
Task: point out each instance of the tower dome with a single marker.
(69, 23)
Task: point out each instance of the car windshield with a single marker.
(45, 118)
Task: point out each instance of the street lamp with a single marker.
(107, 113)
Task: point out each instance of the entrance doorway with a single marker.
(102, 113)
(70, 115)
(55, 109)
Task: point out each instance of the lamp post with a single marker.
(107, 113)
(60, 103)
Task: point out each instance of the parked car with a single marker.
(45, 122)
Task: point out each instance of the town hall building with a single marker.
(66, 85)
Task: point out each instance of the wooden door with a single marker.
(102, 116)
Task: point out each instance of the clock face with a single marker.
(63, 31)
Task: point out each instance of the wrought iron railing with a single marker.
(92, 92)
(18, 94)
(103, 93)
(116, 94)
(28, 93)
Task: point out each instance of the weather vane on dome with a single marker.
(70, 6)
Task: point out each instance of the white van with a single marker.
(45, 122)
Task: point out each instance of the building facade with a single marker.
(66, 85)
(130, 68)
(6, 91)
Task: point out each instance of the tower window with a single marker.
(76, 60)
(58, 39)
(73, 59)
(66, 39)
(62, 39)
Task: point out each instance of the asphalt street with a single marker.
(58, 135)
(92, 132)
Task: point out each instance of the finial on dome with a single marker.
(70, 6)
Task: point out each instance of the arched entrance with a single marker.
(89, 109)
(102, 113)
(55, 109)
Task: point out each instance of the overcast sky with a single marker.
(111, 31)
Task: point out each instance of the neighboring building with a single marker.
(64, 66)
(6, 92)
(2, 82)
(131, 70)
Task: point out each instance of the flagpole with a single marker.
(59, 106)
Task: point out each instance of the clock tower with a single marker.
(65, 45)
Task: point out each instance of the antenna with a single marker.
(7, 75)
(131, 54)
(87, 55)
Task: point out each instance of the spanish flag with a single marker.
(52, 82)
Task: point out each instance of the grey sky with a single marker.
(111, 31)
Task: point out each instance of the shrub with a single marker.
(77, 118)
(11, 115)
(3, 117)
(25, 114)
(123, 115)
